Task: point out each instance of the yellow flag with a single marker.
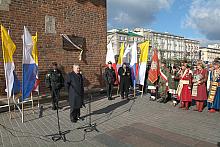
(120, 58)
(144, 51)
(8, 46)
(35, 49)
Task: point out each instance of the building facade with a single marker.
(171, 47)
(117, 37)
(208, 54)
(85, 19)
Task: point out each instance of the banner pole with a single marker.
(38, 99)
(22, 115)
(134, 91)
(142, 91)
(118, 90)
(32, 102)
(9, 107)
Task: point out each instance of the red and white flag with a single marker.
(154, 70)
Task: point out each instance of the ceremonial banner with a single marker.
(8, 48)
(29, 66)
(127, 54)
(154, 70)
(35, 57)
(143, 61)
(133, 63)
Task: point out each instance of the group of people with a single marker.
(182, 84)
(74, 85)
(124, 73)
(200, 85)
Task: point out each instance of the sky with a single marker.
(194, 19)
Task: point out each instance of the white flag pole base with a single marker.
(22, 115)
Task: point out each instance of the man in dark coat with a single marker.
(109, 77)
(54, 81)
(125, 80)
(74, 84)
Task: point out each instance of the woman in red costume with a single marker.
(199, 93)
(184, 87)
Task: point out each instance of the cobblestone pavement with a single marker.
(138, 122)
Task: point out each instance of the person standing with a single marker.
(75, 87)
(125, 80)
(110, 78)
(54, 81)
(199, 93)
(184, 87)
(173, 84)
(163, 88)
(214, 94)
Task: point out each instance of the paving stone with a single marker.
(119, 122)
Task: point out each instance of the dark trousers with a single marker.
(109, 88)
(74, 114)
(124, 90)
(55, 93)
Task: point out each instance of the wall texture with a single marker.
(50, 18)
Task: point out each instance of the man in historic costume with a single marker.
(210, 70)
(125, 80)
(214, 94)
(199, 93)
(184, 87)
(164, 76)
(75, 87)
(110, 78)
(173, 84)
(55, 81)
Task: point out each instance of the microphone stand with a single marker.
(91, 126)
(60, 135)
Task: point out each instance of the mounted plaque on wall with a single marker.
(78, 41)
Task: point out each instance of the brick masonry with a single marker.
(83, 18)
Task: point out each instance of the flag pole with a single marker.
(142, 91)
(22, 115)
(118, 89)
(32, 102)
(38, 99)
(9, 109)
(134, 91)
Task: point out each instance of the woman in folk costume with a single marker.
(214, 94)
(199, 93)
(184, 87)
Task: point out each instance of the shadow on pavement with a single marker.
(108, 109)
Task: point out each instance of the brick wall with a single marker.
(83, 18)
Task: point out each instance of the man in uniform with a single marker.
(164, 76)
(125, 80)
(54, 81)
(110, 78)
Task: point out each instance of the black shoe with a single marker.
(74, 121)
(109, 98)
(165, 101)
(54, 108)
(161, 100)
(80, 118)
